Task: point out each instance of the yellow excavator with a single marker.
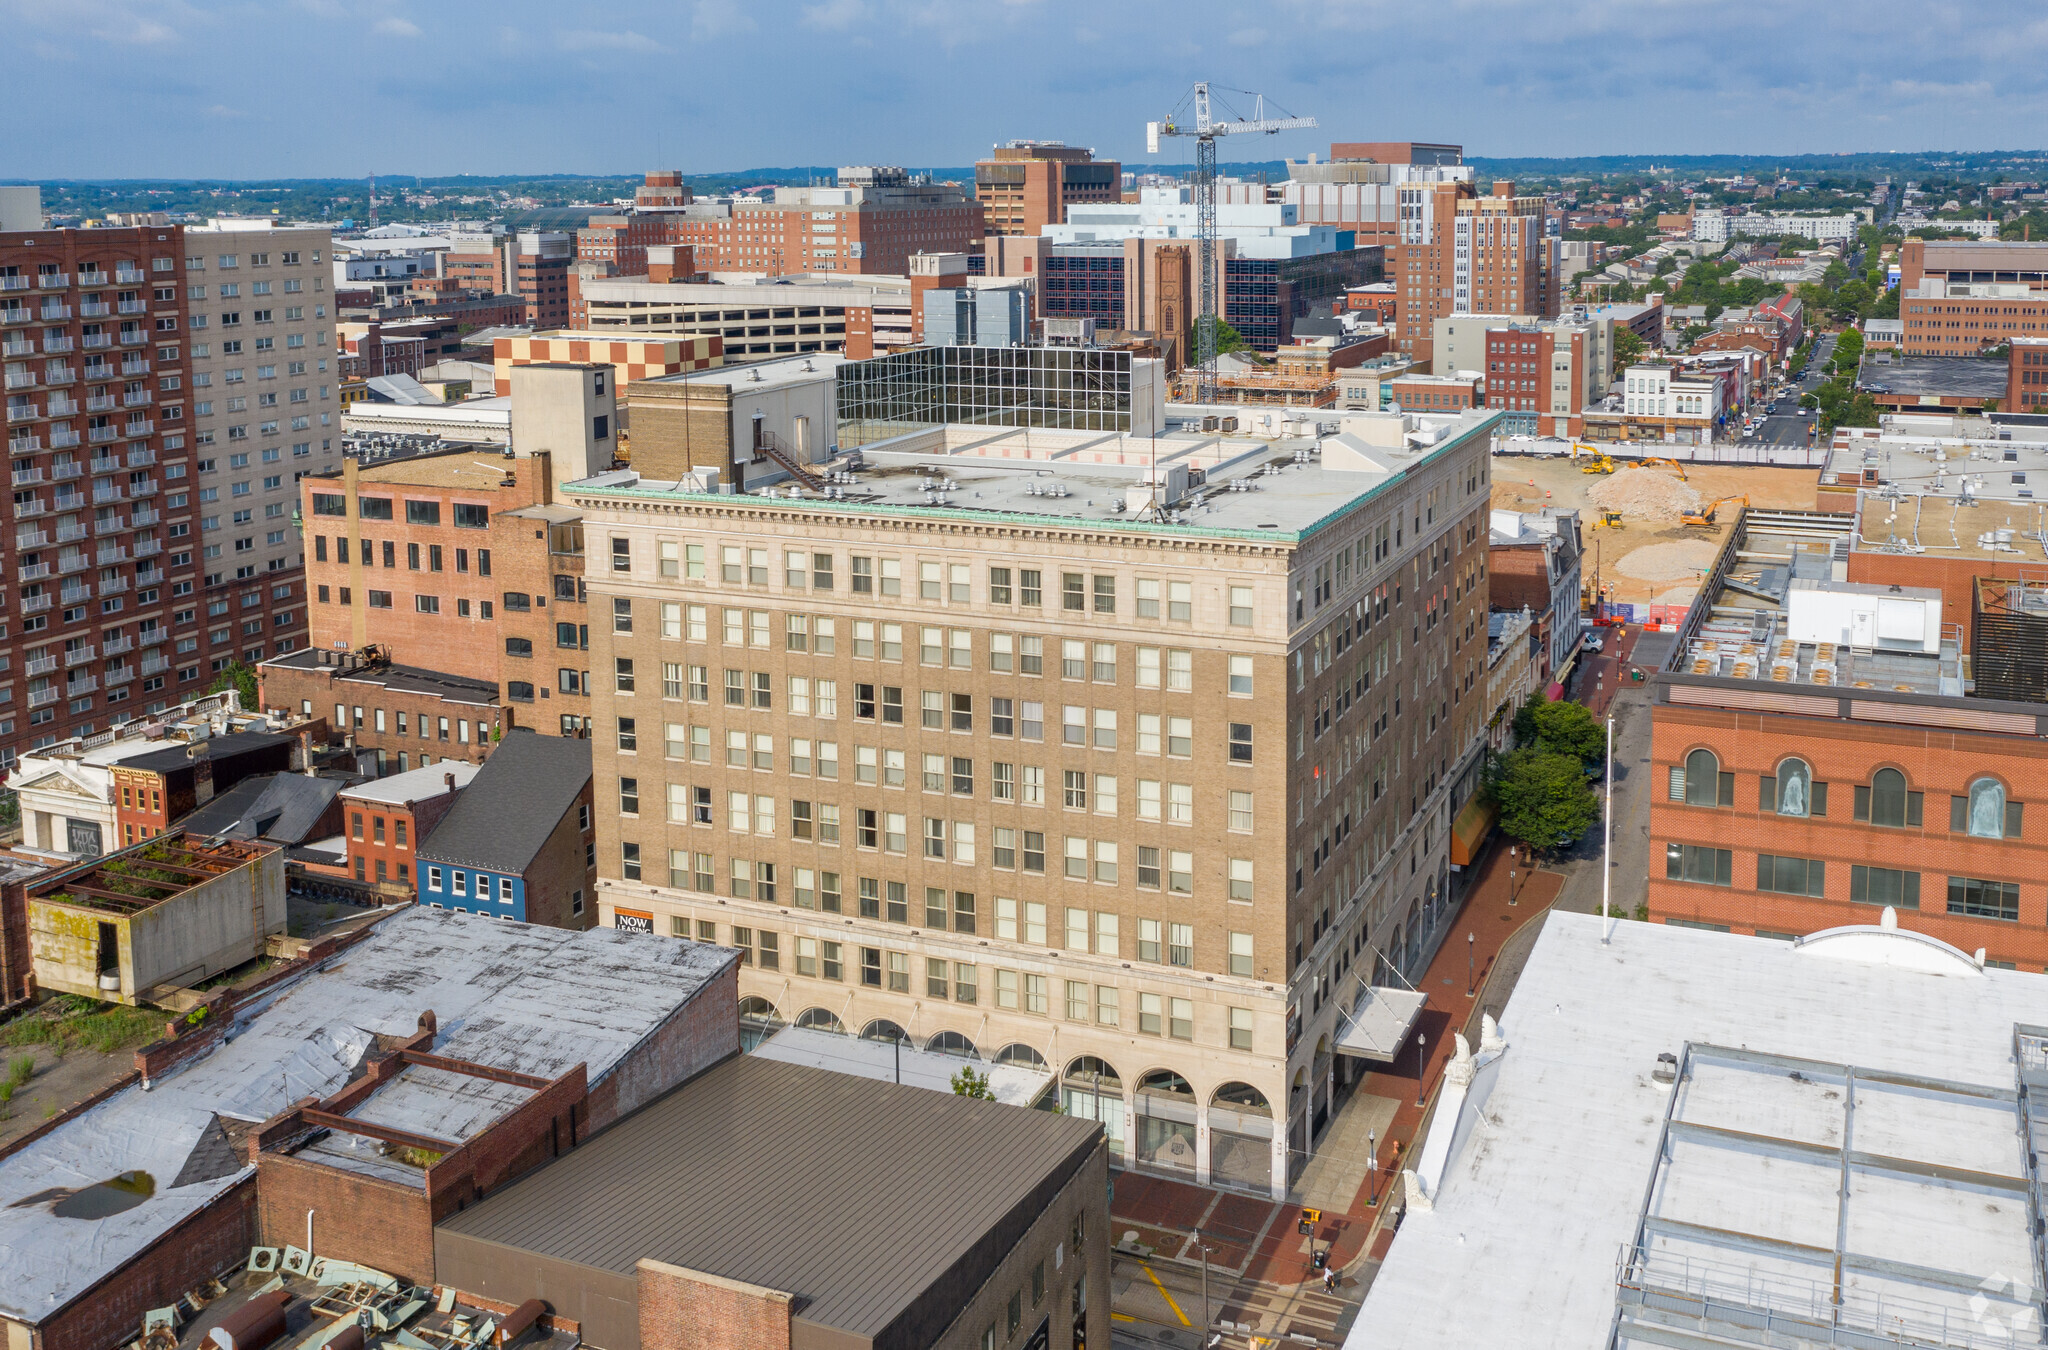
(1670, 464)
(1609, 520)
(1705, 515)
(1601, 462)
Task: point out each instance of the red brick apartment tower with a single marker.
(98, 541)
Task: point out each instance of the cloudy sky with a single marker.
(304, 88)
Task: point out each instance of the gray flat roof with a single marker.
(1935, 376)
(861, 1197)
(1065, 478)
(1561, 1150)
(511, 995)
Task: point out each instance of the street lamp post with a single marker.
(1372, 1168)
(1469, 939)
(1202, 1247)
(1607, 838)
(1421, 1069)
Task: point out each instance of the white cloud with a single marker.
(594, 40)
(1249, 37)
(395, 27)
(719, 18)
(837, 15)
(222, 110)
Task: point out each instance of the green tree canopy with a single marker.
(968, 1083)
(1568, 728)
(1544, 797)
(1628, 349)
(240, 678)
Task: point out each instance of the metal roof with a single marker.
(513, 804)
(861, 1197)
(511, 995)
(1575, 1189)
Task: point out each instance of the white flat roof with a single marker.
(1563, 1146)
(1011, 1083)
(413, 784)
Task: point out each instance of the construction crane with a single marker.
(1204, 130)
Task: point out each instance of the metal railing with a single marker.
(39, 697)
(132, 307)
(60, 375)
(40, 665)
(22, 412)
(128, 276)
(141, 516)
(22, 379)
(96, 341)
(101, 435)
(133, 337)
(32, 571)
(92, 278)
(57, 344)
(94, 309)
(78, 656)
(138, 459)
(100, 403)
(34, 506)
(14, 283)
(119, 675)
(68, 468)
(140, 426)
(55, 313)
(23, 477)
(137, 398)
(16, 314)
(35, 604)
(30, 538)
(148, 548)
(135, 365)
(61, 407)
(18, 346)
(52, 281)
(143, 487)
(114, 646)
(23, 445)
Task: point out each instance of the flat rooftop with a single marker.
(516, 996)
(404, 679)
(173, 755)
(144, 877)
(1747, 632)
(792, 1178)
(1970, 377)
(1250, 488)
(760, 376)
(1716, 1204)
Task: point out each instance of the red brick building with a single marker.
(387, 819)
(153, 791)
(2026, 382)
(872, 223)
(102, 618)
(1835, 765)
(1026, 185)
(1438, 393)
(1959, 296)
(1540, 371)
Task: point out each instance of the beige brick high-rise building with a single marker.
(265, 409)
(983, 752)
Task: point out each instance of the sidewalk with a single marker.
(1257, 1238)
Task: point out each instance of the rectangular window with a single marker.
(1978, 899)
(1150, 1014)
(1685, 862)
(1791, 876)
(1884, 886)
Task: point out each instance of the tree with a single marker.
(1567, 728)
(1228, 339)
(1544, 797)
(1525, 718)
(968, 1083)
(239, 678)
(1628, 349)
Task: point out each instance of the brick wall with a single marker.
(561, 869)
(1843, 754)
(291, 689)
(681, 1307)
(696, 1036)
(358, 1218)
(1518, 578)
(553, 586)
(196, 1250)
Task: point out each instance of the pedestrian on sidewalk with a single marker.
(1329, 1279)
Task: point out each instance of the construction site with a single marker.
(1652, 529)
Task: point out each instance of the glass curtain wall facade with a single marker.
(1067, 388)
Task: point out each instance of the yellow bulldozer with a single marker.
(1600, 462)
(1609, 520)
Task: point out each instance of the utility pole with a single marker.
(1203, 1248)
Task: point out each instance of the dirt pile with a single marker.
(1645, 494)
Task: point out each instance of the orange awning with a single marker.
(1470, 829)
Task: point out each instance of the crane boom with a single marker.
(1204, 133)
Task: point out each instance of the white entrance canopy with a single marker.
(1011, 1083)
(1379, 1023)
